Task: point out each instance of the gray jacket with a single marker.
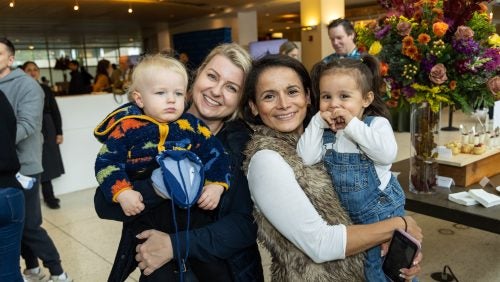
(26, 97)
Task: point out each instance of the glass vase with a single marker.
(424, 129)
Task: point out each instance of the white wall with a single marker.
(80, 115)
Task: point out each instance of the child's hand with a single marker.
(327, 116)
(342, 117)
(210, 196)
(131, 202)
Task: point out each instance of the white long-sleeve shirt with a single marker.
(377, 141)
(279, 197)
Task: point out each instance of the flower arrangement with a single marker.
(435, 51)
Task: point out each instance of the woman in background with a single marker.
(102, 81)
(52, 136)
(290, 49)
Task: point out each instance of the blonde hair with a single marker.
(237, 55)
(149, 65)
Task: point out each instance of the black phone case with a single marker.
(401, 253)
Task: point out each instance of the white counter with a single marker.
(80, 114)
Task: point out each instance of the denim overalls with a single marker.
(356, 184)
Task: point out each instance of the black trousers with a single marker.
(36, 243)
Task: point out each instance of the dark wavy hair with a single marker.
(366, 73)
(102, 68)
(272, 61)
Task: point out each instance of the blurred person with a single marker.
(26, 98)
(291, 49)
(116, 79)
(11, 196)
(102, 81)
(52, 136)
(45, 80)
(78, 84)
(184, 59)
(342, 35)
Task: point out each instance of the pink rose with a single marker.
(404, 28)
(438, 74)
(464, 32)
(494, 85)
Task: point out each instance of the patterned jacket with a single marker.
(131, 141)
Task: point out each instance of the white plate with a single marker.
(498, 188)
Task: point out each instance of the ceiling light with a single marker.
(130, 11)
(12, 4)
(76, 7)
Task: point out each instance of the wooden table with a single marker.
(437, 205)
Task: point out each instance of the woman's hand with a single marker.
(154, 252)
(409, 273)
(59, 139)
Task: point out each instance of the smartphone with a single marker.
(402, 251)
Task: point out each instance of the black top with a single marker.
(9, 163)
(79, 83)
(50, 107)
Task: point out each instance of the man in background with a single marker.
(342, 36)
(26, 98)
(77, 84)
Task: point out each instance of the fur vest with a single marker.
(288, 262)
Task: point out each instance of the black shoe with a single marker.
(53, 204)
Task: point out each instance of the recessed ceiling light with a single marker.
(287, 27)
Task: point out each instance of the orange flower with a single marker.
(384, 69)
(438, 12)
(453, 85)
(395, 93)
(407, 41)
(439, 28)
(391, 103)
(411, 51)
(483, 8)
(424, 38)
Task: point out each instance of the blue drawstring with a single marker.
(182, 261)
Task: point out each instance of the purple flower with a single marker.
(494, 63)
(467, 47)
(381, 33)
(408, 92)
(462, 66)
(427, 63)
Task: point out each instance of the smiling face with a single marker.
(340, 90)
(342, 42)
(216, 91)
(281, 100)
(33, 71)
(162, 95)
